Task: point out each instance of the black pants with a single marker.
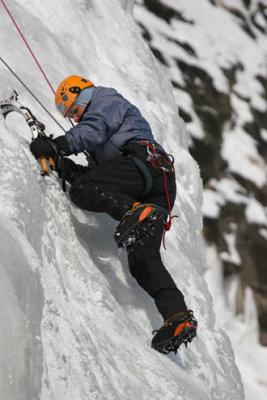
(112, 188)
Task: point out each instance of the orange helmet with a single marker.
(68, 90)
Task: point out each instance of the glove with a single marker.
(62, 146)
(50, 148)
(42, 147)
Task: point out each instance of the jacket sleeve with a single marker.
(91, 132)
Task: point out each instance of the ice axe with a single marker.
(37, 128)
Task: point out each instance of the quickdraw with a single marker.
(158, 158)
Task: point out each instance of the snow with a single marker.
(240, 151)
(230, 190)
(193, 127)
(232, 254)
(256, 213)
(242, 109)
(75, 325)
(263, 233)
(263, 133)
(212, 202)
(227, 190)
(221, 192)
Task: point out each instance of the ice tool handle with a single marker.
(37, 128)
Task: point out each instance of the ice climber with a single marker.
(132, 179)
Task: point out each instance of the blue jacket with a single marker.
(108, 123)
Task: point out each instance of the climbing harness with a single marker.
(158, 158)
(151, 157)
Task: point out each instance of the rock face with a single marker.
(216, 53)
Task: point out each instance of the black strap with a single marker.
(145, 172)
(60, 168)
(63, 174)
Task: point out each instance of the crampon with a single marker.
(137, 225)
(178, 330)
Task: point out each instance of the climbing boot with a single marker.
(179, 328)
(137, 224)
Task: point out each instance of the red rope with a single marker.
(170, 216)
(27, 45)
